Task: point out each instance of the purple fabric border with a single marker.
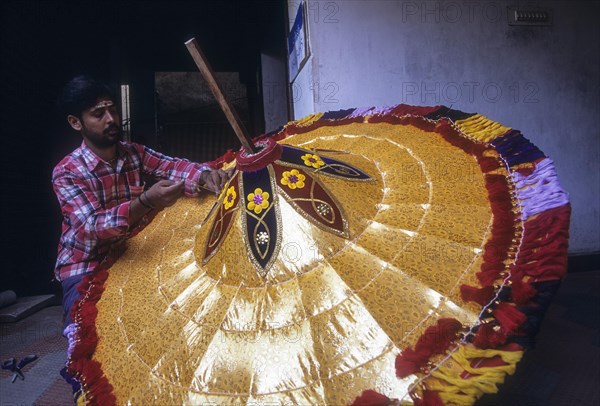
(539, 191)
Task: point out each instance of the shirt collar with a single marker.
(91, 159)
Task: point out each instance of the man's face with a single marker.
(100, 125)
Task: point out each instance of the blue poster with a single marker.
(296, 43)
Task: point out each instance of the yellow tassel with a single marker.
(81, 400)
(481, 128)
(511, 357)
(455, 390)
(451, 399)
(308, 120)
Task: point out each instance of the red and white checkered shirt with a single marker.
(95, 198)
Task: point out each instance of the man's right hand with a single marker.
(164, 193)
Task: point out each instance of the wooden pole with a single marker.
(209, 76)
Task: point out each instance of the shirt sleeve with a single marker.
(84, 214)
(175, 169)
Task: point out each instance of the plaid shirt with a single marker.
(95, 198)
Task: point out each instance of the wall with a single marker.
(543, 81)
(275, 107)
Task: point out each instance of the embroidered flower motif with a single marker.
(229, 198)
(312, 160)
(258, 200)
(262, 238)
(293, 179)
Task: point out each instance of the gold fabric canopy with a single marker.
(327, 318)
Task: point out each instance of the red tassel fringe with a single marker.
(371, 398)
(435, 340)
(481, 296)
(522, 292)
(543, 252)
(509, 317)
(405, 109)
(488, 164)
(489, 336)
(81, 365)
(496, 250)
(430, 398)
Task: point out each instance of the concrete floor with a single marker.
(562, 370)
(39, 334)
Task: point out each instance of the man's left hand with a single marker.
(214, 180)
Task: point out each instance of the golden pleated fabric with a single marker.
(332, 314)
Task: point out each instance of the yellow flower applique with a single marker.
(229, 198)
(293, 179)
(258, 200)
(312, 160)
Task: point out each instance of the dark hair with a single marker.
(81, 93)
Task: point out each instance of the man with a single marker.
(99, 185)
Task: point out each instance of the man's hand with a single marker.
(164, 193)
(215, 179)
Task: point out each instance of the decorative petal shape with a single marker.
(309, 160)
(225, 207)
(261, 220)
(313, 201)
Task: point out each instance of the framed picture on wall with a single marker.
(298, 50)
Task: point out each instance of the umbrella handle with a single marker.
(209, 76)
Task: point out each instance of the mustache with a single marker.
(111, 128)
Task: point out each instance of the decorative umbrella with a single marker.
(367, 256)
